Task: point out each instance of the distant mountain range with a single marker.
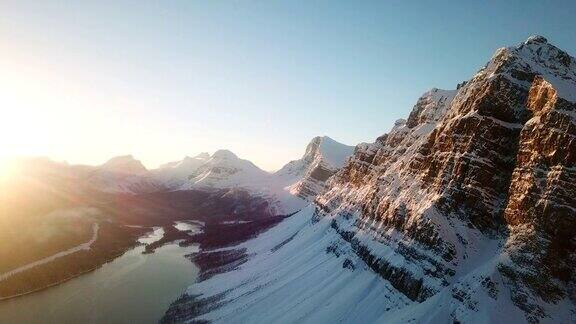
(304, 178)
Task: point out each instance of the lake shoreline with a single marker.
(55, 284)
(134, 277)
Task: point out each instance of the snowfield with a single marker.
(302, 271)
(292, 278)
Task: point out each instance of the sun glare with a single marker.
(8, 168)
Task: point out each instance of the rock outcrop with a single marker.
(496, 162)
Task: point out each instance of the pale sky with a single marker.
(83, 81)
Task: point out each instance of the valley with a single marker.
(135, 287)
(89, 220)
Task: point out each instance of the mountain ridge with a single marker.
(461, 213)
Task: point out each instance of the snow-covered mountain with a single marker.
(307, 176)
(176, 174)
(304, 178)
(224, 170)
(123, 174)
(463, 213)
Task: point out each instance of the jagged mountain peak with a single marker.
(324, 138)
(200, 158)
(227, 158)
(124, 174)
(430, 107)
(331, 151)
(320, 148)
(312, 147)
(536, 56)
(307, 176)
(500, 154)
(226, 169)
(536, 39)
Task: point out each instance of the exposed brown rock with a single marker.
(499, 156)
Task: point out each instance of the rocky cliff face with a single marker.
(494, 161)
(464, 212)
(541, 207)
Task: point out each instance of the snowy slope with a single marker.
(292, 277)
(304, 271)
(176, 174)
(224, 169)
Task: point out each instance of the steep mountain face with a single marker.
(307, 176)
(541, 208)
(498, 165)
(464, 212)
